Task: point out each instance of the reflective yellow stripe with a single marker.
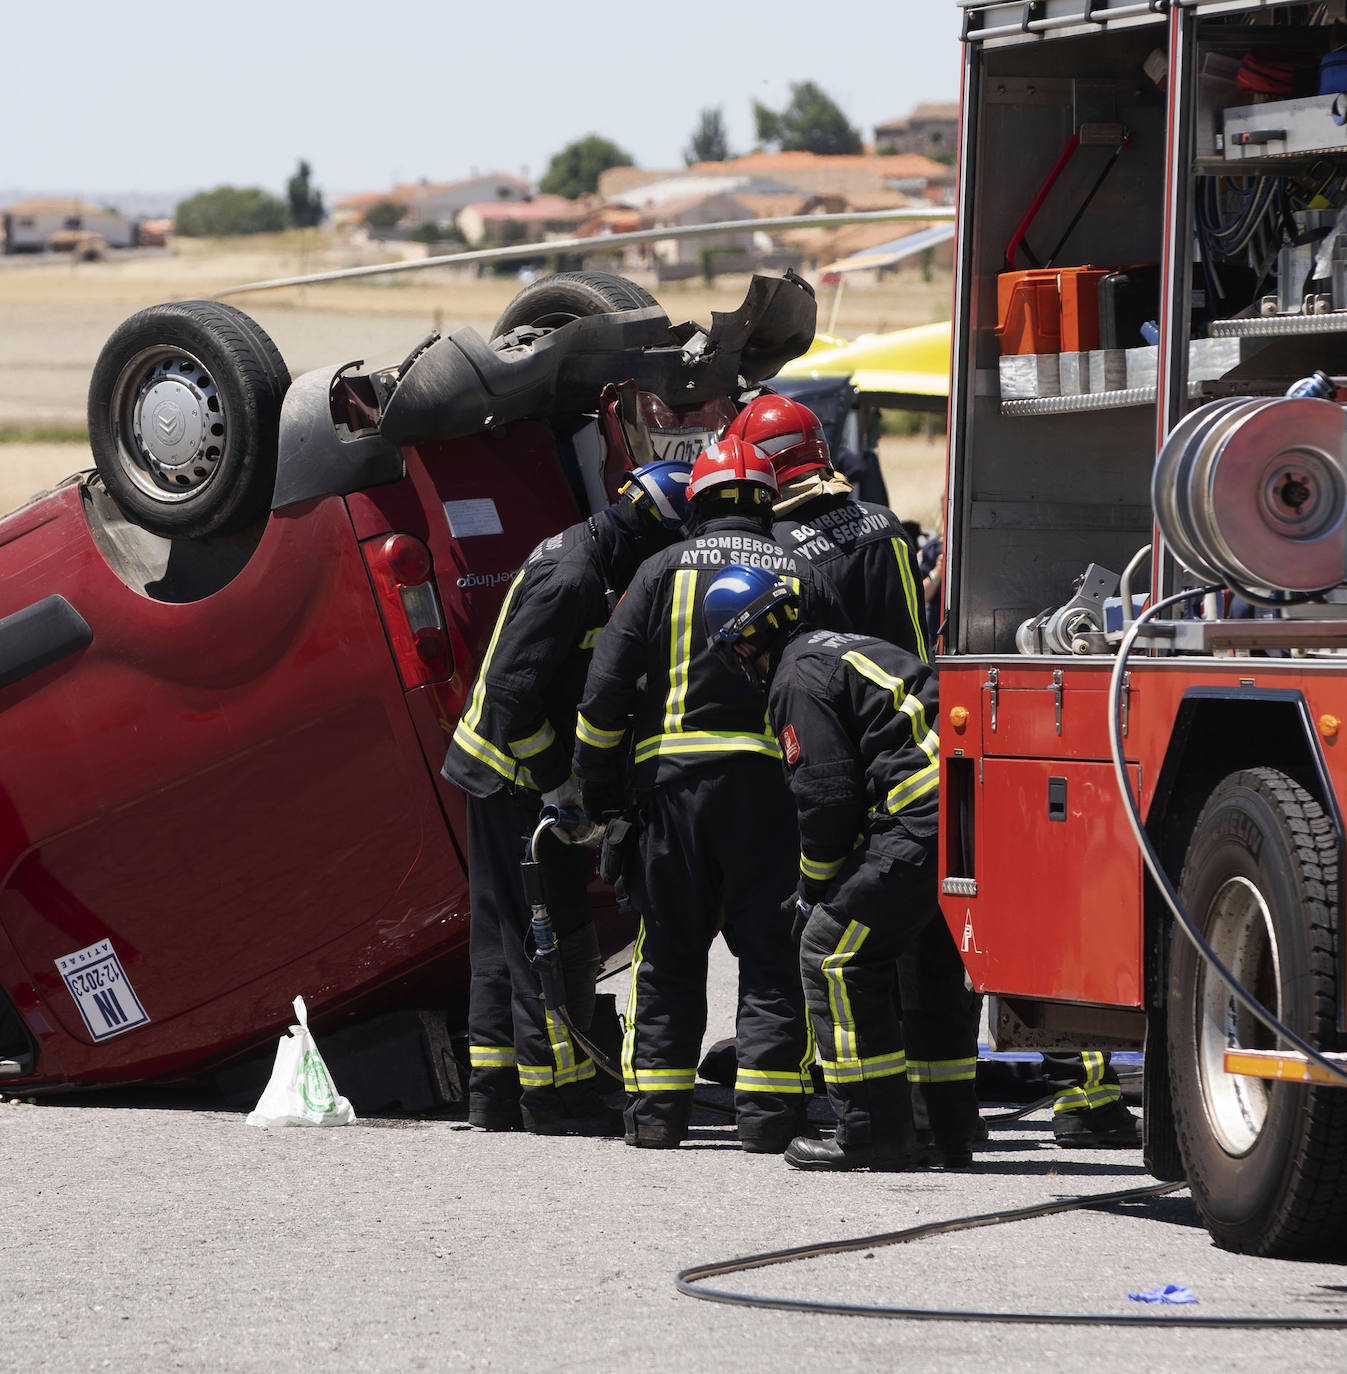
(545, 1076)
(473, 715)
(816, 870)
(467, 739)
(839, 1001)
(769, 1081)
(596, 738)
(706, 742)
(926, 739)
(591, 637)
(680, 648)
(921, 782)
(490, 1057)
(539, 740)
(916, 602)
(1093, 1093)
(942, 1070)
(663, 1080)
(629, 1036)
(859, 1070)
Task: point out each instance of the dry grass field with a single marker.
(56, 314)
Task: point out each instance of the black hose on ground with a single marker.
(689, 1281)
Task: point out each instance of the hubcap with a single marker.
(170, 423)
(1239, 929)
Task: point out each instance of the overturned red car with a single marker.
(232, 655)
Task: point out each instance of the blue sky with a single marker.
(126, 95)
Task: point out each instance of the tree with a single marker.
(575, 169)
(812, 122)
(230, 210)
(430, 232)
(384, 214)
(306, 202)
(709, 140)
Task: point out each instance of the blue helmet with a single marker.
(746, 604)
(659, 491)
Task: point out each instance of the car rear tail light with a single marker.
(400, 569)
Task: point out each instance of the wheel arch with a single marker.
(1217, 731)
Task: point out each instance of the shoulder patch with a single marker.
(790, 745)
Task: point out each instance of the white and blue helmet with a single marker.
(660, 490)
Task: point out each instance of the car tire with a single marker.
(184, 417)
(565, 296)
(1266, 1161)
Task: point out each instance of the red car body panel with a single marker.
(250, 766)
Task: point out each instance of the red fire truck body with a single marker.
(1149, 197)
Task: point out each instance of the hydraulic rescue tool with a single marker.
(578, 829)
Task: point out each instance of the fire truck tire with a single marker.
(184, 418)
(1266, 1161)
(565, 296)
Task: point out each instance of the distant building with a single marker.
(931, 130)
(433, 202)
(807, 174)
(28, 226)
(522, 221)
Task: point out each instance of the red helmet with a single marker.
(733, 461)
(787, 432)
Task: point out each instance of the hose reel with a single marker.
(1253, 492)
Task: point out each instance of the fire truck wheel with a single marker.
(565, 296)
(1266, 1161)
(184, 416)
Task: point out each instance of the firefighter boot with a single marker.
(875, 1132)
(488, 1114)
(1110, 1127)
(879, 1156)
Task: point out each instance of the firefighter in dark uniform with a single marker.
(511, 753)
(855, 717)
(865, 550)
(717, 825)
(862, 548)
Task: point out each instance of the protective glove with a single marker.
(565, 796)
(795, 910)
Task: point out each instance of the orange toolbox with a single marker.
(1049, 309)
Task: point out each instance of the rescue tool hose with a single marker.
(547, 959)
(1161, 879)
(688, 1280)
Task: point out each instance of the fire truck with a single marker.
(1148, 457)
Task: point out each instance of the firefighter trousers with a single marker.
(521, 1054)
(1083, 1080)
(717, 853)
(940, 1018)
(877, 909)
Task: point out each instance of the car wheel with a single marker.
(184, 413)
(1266, 1161)
(565, 296)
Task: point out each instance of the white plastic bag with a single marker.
(301, 1091)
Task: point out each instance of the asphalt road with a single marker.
(162, 1236)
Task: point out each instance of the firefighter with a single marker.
(717, 827)
(511, 753)
(855, 719)
(866, 551)
(860, 547)
(1087, 1107)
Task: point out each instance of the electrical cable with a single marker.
(1151, 859)
(688, 1281)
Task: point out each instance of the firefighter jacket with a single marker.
(654, 674)
(856, 719)
(865, 551)
(518, 727)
